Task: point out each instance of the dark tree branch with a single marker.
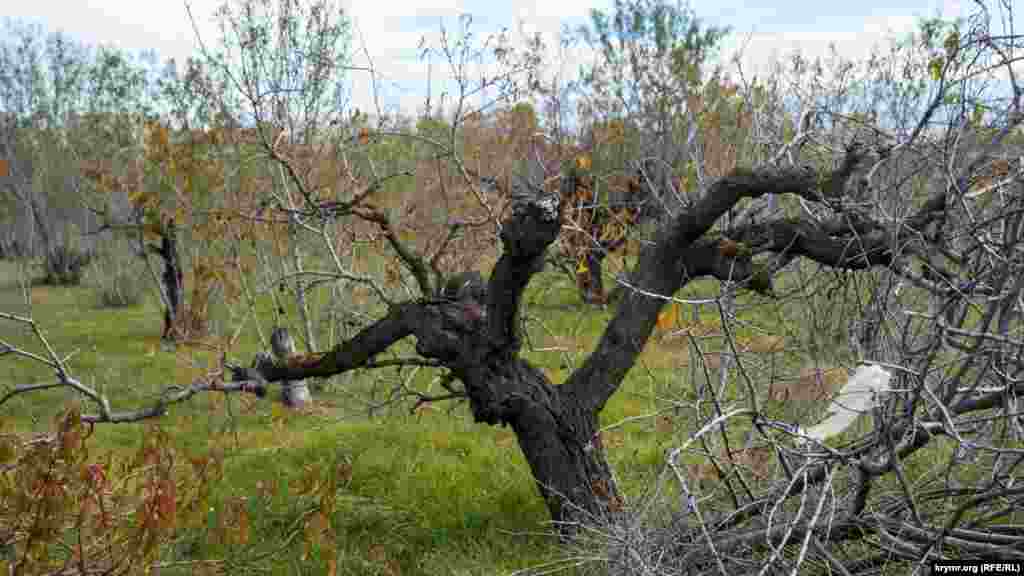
(659, 272)
(413, 261)
(356, 352)
(854, 246)
(525, 238)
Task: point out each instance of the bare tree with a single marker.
(943, 372)
(926, 229)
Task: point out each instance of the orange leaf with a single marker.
(364, 136)
(304, 360)
(668, 316)
(240, 534)
(166, 503)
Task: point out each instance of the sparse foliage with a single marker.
(880, 203)
(102, 514)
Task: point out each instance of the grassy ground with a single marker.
(424, 493)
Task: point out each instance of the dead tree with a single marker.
(557, 426)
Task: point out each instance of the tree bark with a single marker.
(172, 280)
(560, 439)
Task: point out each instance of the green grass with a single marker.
(430, 493)
(439, 497)
(441, 494)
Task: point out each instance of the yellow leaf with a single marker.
(276, 412)
(664, 320)
(137, 197)
(583, 162)
(935, 68)
(582, 268)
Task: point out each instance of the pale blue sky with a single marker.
(390, 31)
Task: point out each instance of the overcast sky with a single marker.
(391, 30)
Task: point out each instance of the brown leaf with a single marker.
(377, 553)
(664, 425)
(728, 248)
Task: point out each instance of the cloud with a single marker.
(390, 36)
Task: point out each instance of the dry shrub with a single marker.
(64, 266)
(117, 283)
(189, 324)
(59, 501)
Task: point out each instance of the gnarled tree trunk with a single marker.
(475, 335)
(171, 280)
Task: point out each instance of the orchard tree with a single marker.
(44, 88)
(643, 108)
(477, 339)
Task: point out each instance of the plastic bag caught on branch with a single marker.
(861, 393)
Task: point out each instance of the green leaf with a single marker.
(978, 115)
(935, 68)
